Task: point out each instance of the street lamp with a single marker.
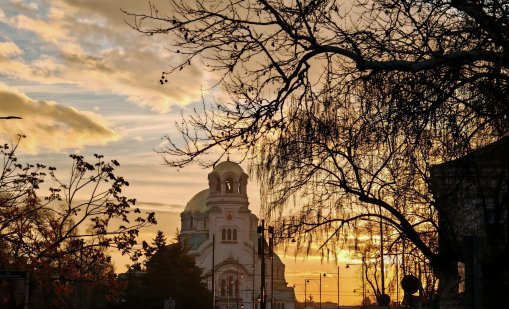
(305, 293)
(320, 280)
(338, 283)
(362, 276)
(261, 253)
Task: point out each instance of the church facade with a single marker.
(221, 233)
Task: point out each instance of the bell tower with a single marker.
(227, 185)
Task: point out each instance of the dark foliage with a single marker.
(61, 238)
(170, 273)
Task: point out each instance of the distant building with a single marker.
(472, 199)
(221, 212)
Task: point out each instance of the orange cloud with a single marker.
(49, 125)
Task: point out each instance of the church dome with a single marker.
(228, 167)
(198, 202)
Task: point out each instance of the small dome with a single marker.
(228, 167)
(198, 202)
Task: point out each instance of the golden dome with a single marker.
(198, 202)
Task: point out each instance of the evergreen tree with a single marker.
(170, 273)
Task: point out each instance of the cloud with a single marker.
(23, 6)
(87, 43)
(49, 125)
(160, 207)
(9, 49)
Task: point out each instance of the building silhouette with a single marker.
(472, 199)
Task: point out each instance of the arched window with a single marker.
(236, 288)
(191, 221)
(229, 234)
(229, 185)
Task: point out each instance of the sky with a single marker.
(84, 82)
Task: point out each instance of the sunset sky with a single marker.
(84, 82)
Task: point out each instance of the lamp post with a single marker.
(382, 266)
(320, 285)
(271, 255)
(338, 284)
(261, 253)
(213, 271)
(253, 267)
(305, 293)
(363, 282)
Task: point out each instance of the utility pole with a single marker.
(383, 299)
(338, 285)
(325, 275)
(382, 270)
(213, 271)
(81, 277)
(305, 293)
(271, 254)
(363, 284)
(254, 276)
(261, 254)
(320, 290)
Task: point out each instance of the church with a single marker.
(221, 233)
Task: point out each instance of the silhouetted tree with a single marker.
(61, 239)
(345, 105)
(169, 273)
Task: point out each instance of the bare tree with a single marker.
(343, 104)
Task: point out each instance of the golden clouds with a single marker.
(75, 42)
(49, 125)
(9, 49)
